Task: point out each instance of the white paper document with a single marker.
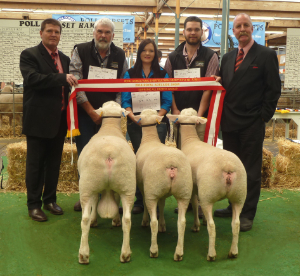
(101, 73)
(187, 73)
(145, 100)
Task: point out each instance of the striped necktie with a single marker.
(239, 59)
(53, 55)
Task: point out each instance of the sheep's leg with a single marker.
(145, 221)
(94, 199)
(211, 228)
(151, 206)
(181, 223)
(126, 226)
(194, 200)
(161, 220)
(235, 224)
(117, 219)
(84, 250)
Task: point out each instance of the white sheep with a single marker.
(106, 165)
(162, 171)
(6, 107)
(217, 173)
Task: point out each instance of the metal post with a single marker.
(14, 118)
(177, 21)
(225, 23)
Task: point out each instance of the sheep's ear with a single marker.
(172, 118)
(201, 120)
(99, 111)
(137, 117)
(125, 112)
(159, 118)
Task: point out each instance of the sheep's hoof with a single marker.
(145, 223)
(211, 258)
(94, 224)
(83, 259)
(154, 254)
(125, 258)
(162, 228)
(231, 255)
(178, 257)
(116, 222)
(196, 228)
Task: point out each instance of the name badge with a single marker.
(188, 73)
(101, 73)
(199, 63)
(114, 65)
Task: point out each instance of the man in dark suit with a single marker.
(250, 75)
(46, 86)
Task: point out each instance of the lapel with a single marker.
(46, 57)
(230, 64)
(238, 75)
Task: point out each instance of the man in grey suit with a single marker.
(250, 75)
(46, 86)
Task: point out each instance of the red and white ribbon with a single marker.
(142, 85)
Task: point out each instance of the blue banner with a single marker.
(213, 29)
(128, 22)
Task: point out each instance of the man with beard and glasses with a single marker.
(250, 76)
(192, 59)
(101, 56)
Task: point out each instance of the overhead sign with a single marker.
(212, 33)
(128, 22)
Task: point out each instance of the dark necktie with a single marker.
(53, 55)
(239, 59)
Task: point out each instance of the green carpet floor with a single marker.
(50, 248)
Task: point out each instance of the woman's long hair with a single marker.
(138, 66)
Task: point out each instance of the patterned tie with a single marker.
(53, 55)
(239, 59)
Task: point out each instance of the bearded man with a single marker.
(89, 57)
(192, 59)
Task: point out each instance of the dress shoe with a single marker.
(137, 210)
(77, 206)
(37, 214)
(245, 224)
(120, 210)
(53, 208)
(223, 213)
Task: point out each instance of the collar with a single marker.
(247, 47)
(49, 51)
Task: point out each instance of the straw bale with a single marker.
(289, 149)
(16, 154)
(282, 180)
(267, 168)
(7, 131)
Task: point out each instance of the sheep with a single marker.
(162, 171)
(217, 173)
(106, 165)
(6, 107)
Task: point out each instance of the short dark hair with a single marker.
(192, 19)
(159, 53)
(50, 21)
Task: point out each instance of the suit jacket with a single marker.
(42, 91)
(253, 90)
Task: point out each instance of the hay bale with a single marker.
(7, 131)
(287, 165)
(16, 154)
(266, 169)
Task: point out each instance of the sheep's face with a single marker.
(148, 116)
(187, 116)
(111, 108)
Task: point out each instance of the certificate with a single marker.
(101, 73)
(145, 100)
(187, 73)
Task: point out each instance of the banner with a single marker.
(127, 20)
(212, 33)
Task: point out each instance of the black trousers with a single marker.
(247, 144)
(42, 166)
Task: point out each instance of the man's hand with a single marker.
(175, 112)
(71, 79)
(91, 112)
(97, 119)
(217, 78)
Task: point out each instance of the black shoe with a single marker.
(53, 208)
(137, 210)
(77, 206)
(245, 224)
(37, 214)
(223, 213)
(120, 210)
